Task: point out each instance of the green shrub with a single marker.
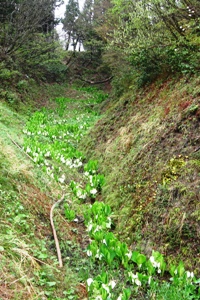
(54, 70)
(9, 96)
(22, 85)
(8, 75)
(151, 63)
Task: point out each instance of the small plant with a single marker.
(69, 213)
(173, 169)
(91, 167)
(100, 287)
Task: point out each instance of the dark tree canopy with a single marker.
(20, 19)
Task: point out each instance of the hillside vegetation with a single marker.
(31, 181)
(128, 168)
(100, 150)
(147, 143)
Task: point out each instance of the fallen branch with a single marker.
(96, 82)
(54, 232)
(51, 212)
(197, 149)
(16, 144)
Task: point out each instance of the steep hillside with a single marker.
(148, 147)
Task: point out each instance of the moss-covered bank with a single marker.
(148, 146)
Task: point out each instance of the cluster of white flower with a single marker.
(189, 274)
(28, 150)
(44, 133)
(35, 157)
(190, 11)
(91, 180)
(49, 171)
(107, 287)
(59, 122)
(76, 163)
(99, 255)
(129, 254)
(80, 193)
(155, 264)
(109, 222)
(62, 159)
(62, 179)
(89, 282)
(93, 191)
(47, 154)
(29, 133)
(89, 253)
(134, 278)
(95, 227)
(91, 226)
(25, 131)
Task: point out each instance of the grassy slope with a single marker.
(28, 262)
(147, 144)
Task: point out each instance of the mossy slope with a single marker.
(28, 261)
(148, 143)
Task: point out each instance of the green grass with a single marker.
(29, 267)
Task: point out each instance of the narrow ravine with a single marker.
(106, 268)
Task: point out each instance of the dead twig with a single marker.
(197, 149)
(54, 232)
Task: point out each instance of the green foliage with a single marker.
(69, 213)
(71, 23)
(147, 64)
(105, 247)
(91, 166)
(8, 74)
(11, 97)
(173, 169)
(54, 70)
(167, 291)
(159, 39)
(182, 58)
(152, 63)
(98, 95)
(18, 38)
(41, 60)
(138, 258)
(22, 85)
(49, 138)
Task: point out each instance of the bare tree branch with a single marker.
(96, 82)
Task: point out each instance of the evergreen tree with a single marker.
(93, 17)
(70, 23)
